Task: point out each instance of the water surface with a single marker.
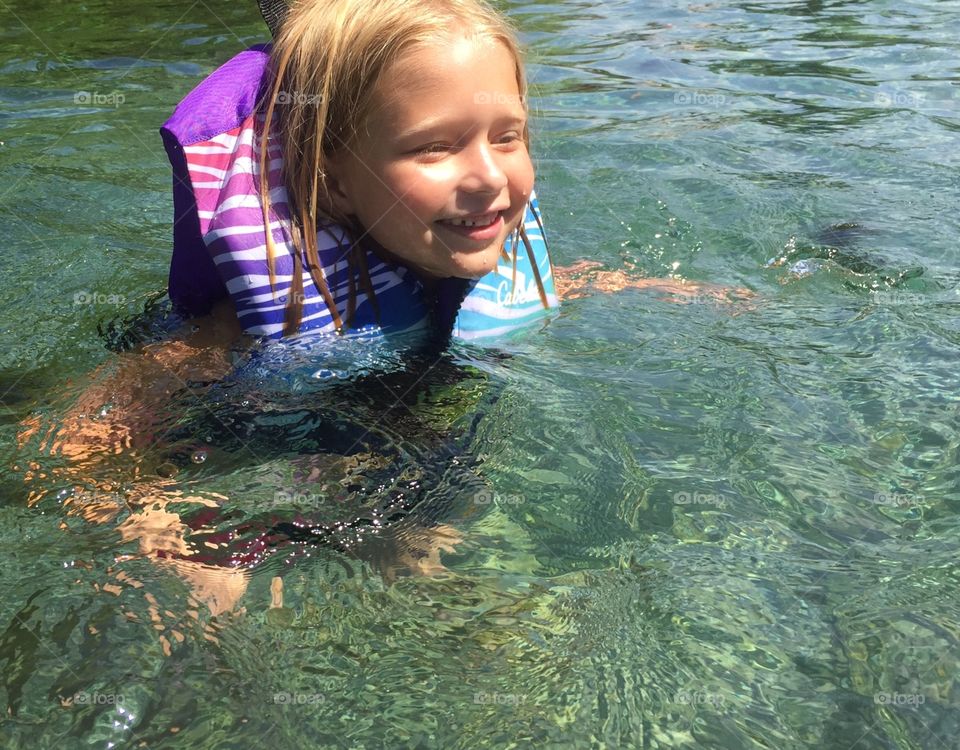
(683, 525)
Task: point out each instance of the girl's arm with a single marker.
(121, 408)
(585, 277)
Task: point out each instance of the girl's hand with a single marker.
(584, 277)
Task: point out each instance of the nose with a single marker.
(483, 172)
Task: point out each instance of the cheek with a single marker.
(522, 177)
(414, 195)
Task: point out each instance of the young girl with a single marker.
(370, 173)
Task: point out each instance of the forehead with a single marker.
(439, 69)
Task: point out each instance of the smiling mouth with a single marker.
(484, 220)
(479, 228)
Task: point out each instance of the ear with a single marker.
(339, 171)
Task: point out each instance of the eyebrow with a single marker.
(425, 128)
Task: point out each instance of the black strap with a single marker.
(274, 12)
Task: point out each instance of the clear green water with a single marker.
(713, 527)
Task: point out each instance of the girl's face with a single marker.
(440, 175)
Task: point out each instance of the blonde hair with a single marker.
(327, 60)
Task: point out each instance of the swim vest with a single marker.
(220, 244)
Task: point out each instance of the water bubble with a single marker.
(805, 267)
(198, 457)
(66, 492)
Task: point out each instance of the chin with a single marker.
(476, 265)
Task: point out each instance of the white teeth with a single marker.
(471, 222)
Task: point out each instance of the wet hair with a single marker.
(327, 60)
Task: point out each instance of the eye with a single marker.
(510, 138)
(433, 149)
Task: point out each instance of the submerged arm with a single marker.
(585, 277)
(120, 409)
